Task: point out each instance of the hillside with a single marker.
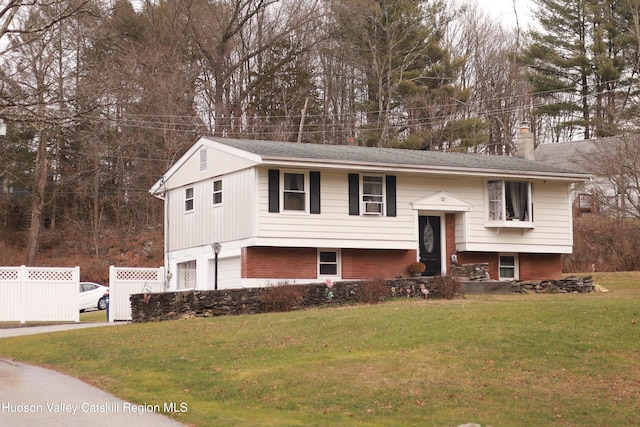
(70, 249)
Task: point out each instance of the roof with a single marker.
(293, 154)
(275, 150)
(571, 154)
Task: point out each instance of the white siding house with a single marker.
(307, 212)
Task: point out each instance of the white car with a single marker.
(93, 296)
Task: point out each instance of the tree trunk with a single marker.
(37, 204)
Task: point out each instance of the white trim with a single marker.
(503, 222)
(444, 256)
(516, 266)
(213, 192)
(338, 275)
(185, 199)
(441, 202)
(363, 243)
(519, 248)
(383, 196)
(394, 169)
(306, 192)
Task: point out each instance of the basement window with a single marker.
(328, 263)
(508, 267)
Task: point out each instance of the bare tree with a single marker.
(498, 87)
(616, 163)
(230, 36)
(38, 89)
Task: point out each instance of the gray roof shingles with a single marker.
(275, 150)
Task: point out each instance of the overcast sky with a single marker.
(504, 11)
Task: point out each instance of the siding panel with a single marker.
(232, 220)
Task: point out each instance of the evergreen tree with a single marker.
(577, 66)
(403, 69)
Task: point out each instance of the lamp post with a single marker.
(216, 250)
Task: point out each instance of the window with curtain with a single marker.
(509, 200)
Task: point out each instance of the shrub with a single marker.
(372, 291)
(416, 267)
(446, 287)
(603, 244)
(282, 297)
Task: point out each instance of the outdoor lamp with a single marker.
(216, 250)
(216, 247)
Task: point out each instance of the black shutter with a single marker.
(391, 195)
(314, 183)
(274, 190)
(354, 194)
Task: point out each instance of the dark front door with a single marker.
(430, 254)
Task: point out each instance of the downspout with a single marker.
(166, 236)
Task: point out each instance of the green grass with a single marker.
(86, 317)
(499, 360)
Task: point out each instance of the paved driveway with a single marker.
(33, 396)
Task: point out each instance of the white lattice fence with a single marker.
(39, 294)
(125, 281)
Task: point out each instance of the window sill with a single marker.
(512, 225)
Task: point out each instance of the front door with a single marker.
(430, 253)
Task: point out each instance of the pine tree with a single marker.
(576, 65)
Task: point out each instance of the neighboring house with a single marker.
(300, 213)
(614, 163)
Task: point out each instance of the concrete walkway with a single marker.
(34, 396)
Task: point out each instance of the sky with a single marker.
(504, 11)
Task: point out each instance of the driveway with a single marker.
(34, 396)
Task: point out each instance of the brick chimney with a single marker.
(525, 142)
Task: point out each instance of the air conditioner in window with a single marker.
(373, 208)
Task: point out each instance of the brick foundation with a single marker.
(540, 266)
(302, 263)
(279, 263)
(531, 266)
(357, 264)
(376, 263)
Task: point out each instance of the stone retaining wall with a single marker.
(571, 284)
(186, 304)
(474, 272)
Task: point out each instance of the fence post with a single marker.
(22, 279)
(112, 280)
(76, 280)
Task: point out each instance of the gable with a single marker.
(204, 160)
(441, 201)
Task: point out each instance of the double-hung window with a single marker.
(508, 267)
(328, 263)
(372, 195)
(217, 192)
(188, 199)
(510, 200)
(294, 193)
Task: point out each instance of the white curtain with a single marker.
(519, 193)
